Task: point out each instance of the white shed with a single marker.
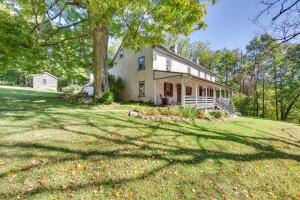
(44, 80)
(88, 89)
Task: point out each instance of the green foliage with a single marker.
(115, 86)
(225, 63)
(182, 111)
(189, 111)
(18, 49)
(243, 104)
(15, 76)
(72, 89)
(107, 98)
(216, 113)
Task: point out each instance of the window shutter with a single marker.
(171, 89)
(165, 88)
(191, 90)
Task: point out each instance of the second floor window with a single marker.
(141, 63)
(168, 65)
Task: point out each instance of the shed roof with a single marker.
(44, 73)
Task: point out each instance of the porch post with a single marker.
(182, 92)
(206, 99)
(221, 94)
(215, 95)
(196, 94)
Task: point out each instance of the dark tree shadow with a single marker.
(109, 129)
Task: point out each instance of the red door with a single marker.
(179, 93)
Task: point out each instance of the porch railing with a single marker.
(202, 102)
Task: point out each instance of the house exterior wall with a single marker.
(160, 60)
(127, 69)
(38, 82)
(194, 83)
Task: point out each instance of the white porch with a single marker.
(182, 89)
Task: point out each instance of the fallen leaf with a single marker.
(9, 174)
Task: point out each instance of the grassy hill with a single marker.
(54, 150)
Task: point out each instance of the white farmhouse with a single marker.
(44, 80)
(159, 75)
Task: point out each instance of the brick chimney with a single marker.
(174, 48)
(196, 60)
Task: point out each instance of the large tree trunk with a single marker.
(105, 78)
(276, 92)
(287, 111)
(100, 42)
(263, 97)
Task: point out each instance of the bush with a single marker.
(115, 86)
(187, 111)
(216, 113)
(202, 115)
(243, 104)
(71, 89)
(147, 110)
(107, 98)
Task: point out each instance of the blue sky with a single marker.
(229, 24)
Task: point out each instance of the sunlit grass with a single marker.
(56, 150)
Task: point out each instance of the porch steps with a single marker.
(225, 106)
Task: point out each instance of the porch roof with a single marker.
(158, 74)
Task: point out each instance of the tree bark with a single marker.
(287, 111)
(263, 97)
(105, 78)
(100, 43)
(276, 92)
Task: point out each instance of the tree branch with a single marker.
(282, 11)
(64, 27)
(66, 39)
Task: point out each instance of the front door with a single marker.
(179, 93)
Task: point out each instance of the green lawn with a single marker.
(54, 150)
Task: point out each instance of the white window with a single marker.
(141, 63)
(141, 88)
(45, 81)
(168, 64)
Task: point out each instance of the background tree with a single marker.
(139, 22)
(285, 18)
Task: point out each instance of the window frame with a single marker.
(168, 90)
(139, 64)
(188, 89)
(44, 81)
(143, 89)
(168, 64)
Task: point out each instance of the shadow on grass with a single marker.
(15, 100)
(136, 146)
